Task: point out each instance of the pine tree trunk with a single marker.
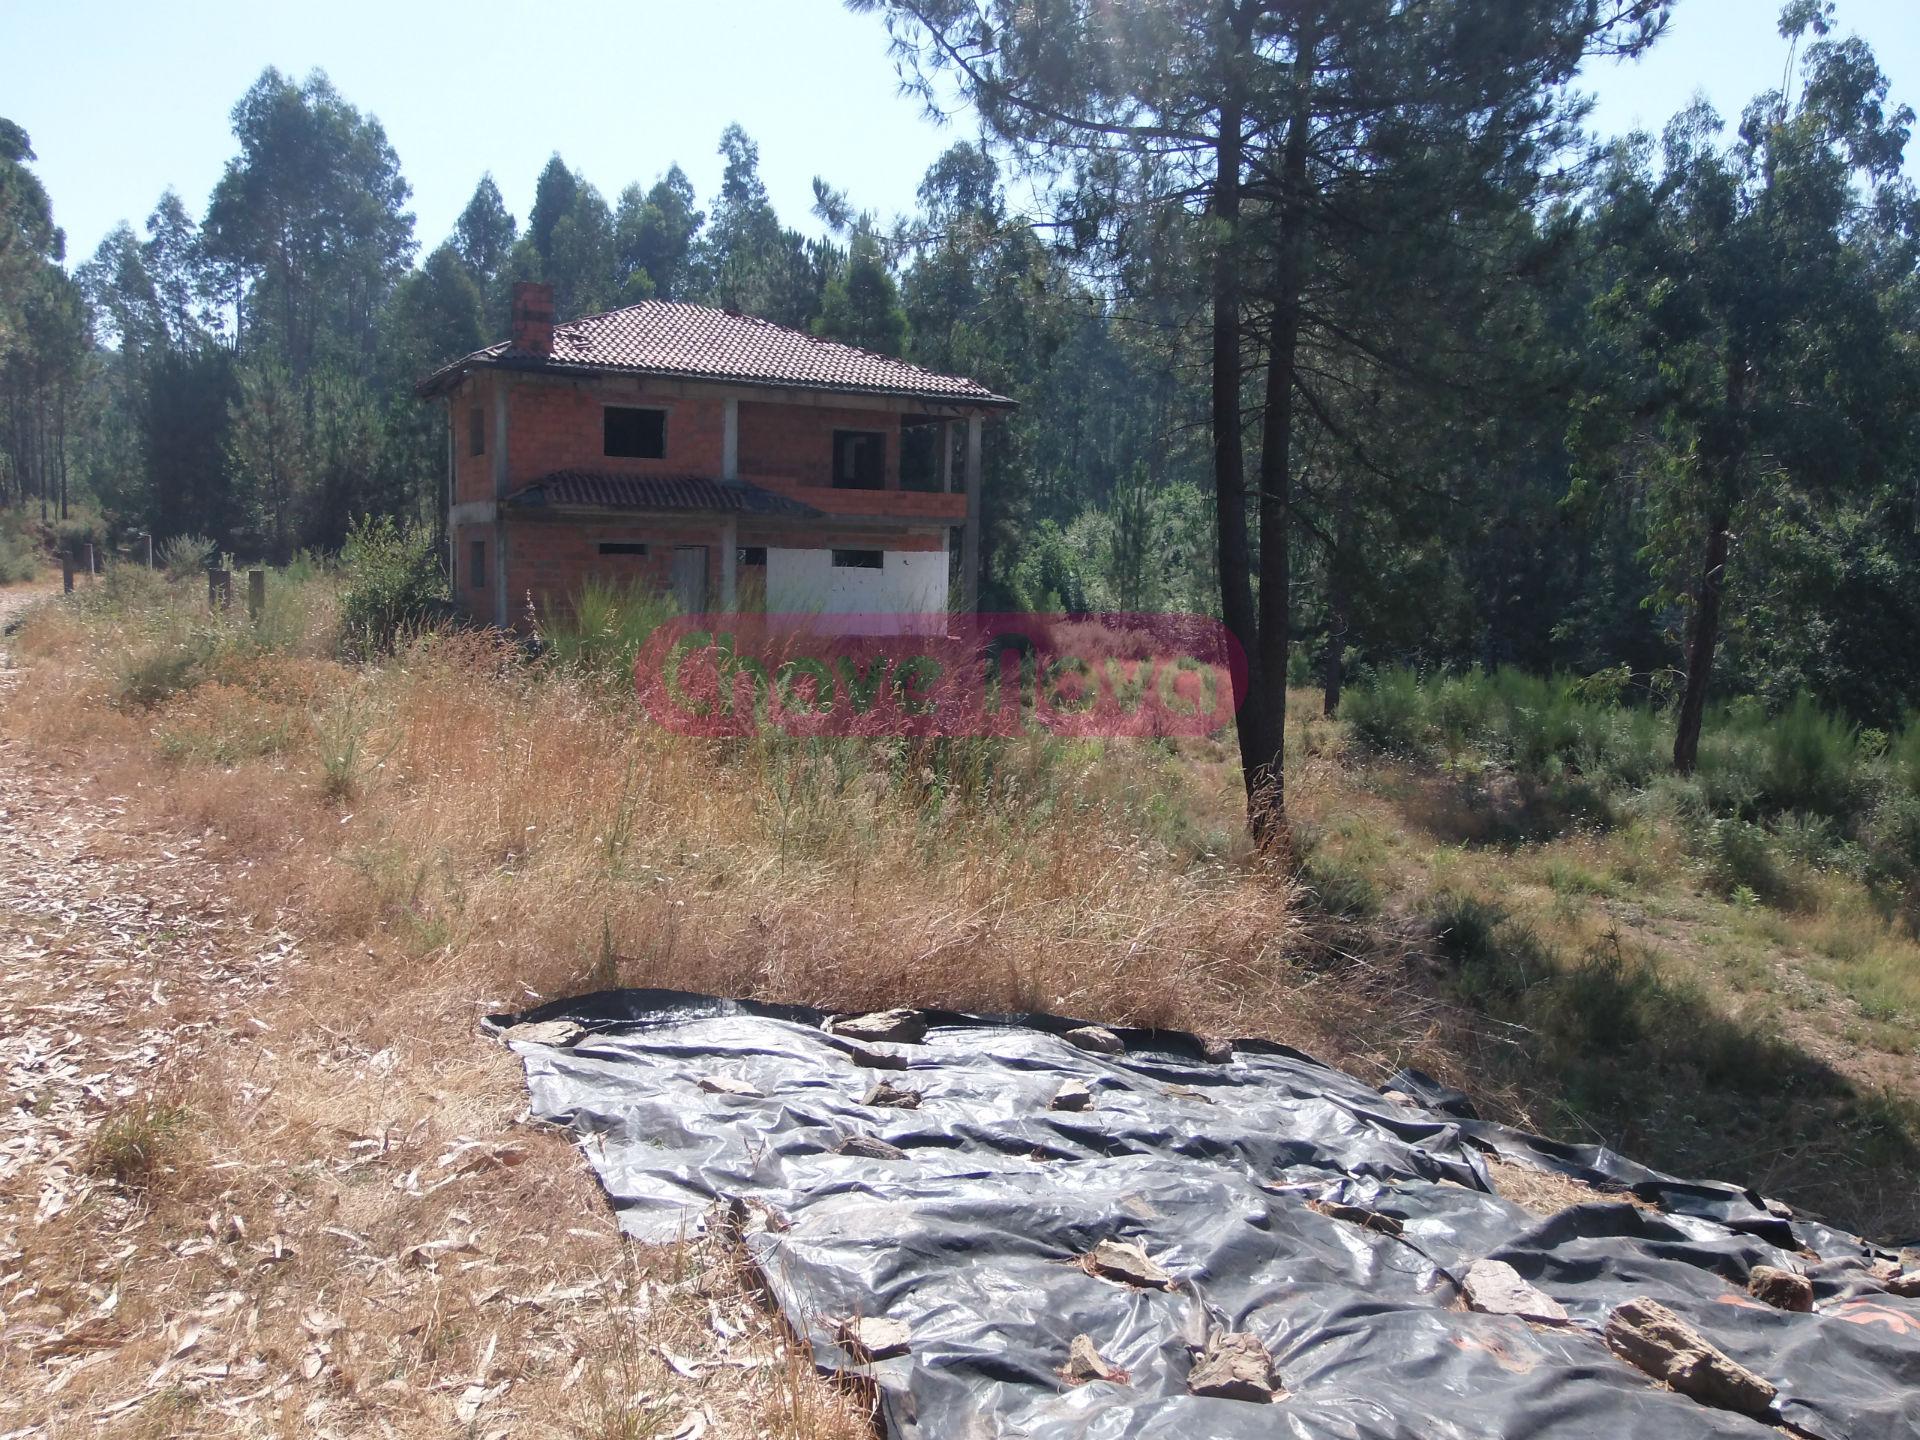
(1229, 472)
(1702, 639)
(1276, 467)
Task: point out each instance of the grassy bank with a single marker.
(1717, 973)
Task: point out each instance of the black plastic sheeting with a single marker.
(972, 1238)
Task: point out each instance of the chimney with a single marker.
(533, 317)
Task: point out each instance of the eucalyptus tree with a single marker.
(655, 235)
(1762, 365)
(483, 236)
(308, 223)
(1288, 133)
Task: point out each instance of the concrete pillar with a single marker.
(501, 616)
(730, 563)
(453, 497)
(970, 535)
(730, 443)
(946, 456)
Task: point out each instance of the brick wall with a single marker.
(794, 443)
(560, 427)
(472, 474)
(551, 559)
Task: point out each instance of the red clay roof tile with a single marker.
(694, 493)
(696, 342)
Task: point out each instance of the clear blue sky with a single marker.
(123, 99)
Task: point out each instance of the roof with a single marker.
(697, 342)
(697, 493)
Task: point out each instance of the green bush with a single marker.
(148, 674)
(19, 560)
(1903, 756)
(1388, 712)
(183, 556)
(74, 534)
(1745, 856)
(20, 551)
(1812, 760)
(394, 584)
(602, 630)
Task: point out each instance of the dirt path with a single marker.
(114, 968)
(229, 1208)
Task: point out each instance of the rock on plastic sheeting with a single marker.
(1233, 1175)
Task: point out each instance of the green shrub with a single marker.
(19, 559)
(183, 556)
(74, 534)
(1494, 960)
(1744, 855)
(1903, 755)
(1340, 887)
(20, 549)
(1387, 713)
(148, 674)
(1893, 830)
(602, 630)
(1810, 759)
(394, 585)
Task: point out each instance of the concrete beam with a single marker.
(500, 394)
(970, 534)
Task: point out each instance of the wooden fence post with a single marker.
(148, 537)
(66, 573)
(91, 568)
(219, 589)
(256, 594)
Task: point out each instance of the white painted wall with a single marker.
(805, 582)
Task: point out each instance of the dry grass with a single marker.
(534, 837)
(452, 833)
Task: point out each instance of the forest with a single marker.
(1336, 324)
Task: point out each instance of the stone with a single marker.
(871, 1338)
(885, 1092)
(1401, 1098)
(1085, 1363)
(727, 1085)
(1494, 1287)
(1648, 1335)
(1373, 1220)
(1782, 1289)
(1779, 1209)
(869, 1147)
(1236, 1366)
(1906, 1286)
(897, 1027)
(1071, 1096)
(1215, 1048)
(1098, 1039)
(558, 1033)
(875, 1059)
(1126, 1262)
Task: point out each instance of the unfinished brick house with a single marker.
(731, 462)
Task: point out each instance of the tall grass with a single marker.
(600, 629)
(513, 811)
(1798, 783)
